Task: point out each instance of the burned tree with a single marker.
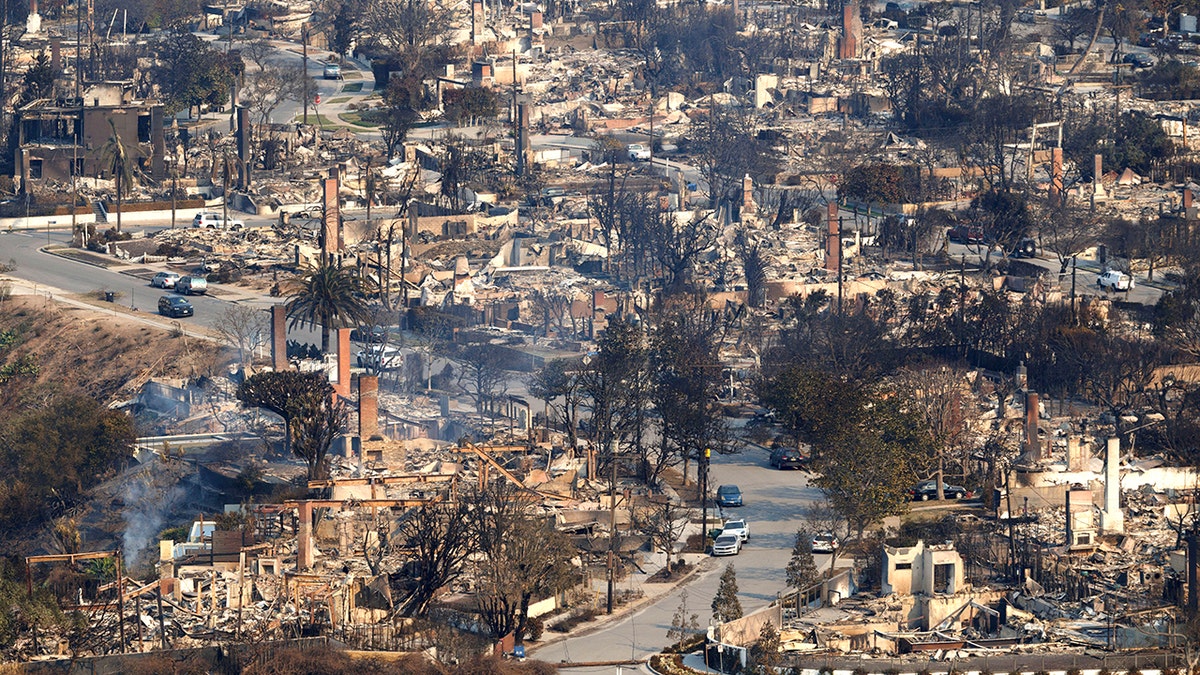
(312, 418)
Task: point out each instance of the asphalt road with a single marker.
(776, 504)
(1144, 292)
(40, 269)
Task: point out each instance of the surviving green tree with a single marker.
(328, 296)
(801, 571)
(311, 417)
(190, 72)
(725, 604)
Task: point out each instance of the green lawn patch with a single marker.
(356, 119)
(352, 87)
(323, 121)
(340, 99)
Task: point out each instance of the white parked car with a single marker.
(727, 544)
(1114, 280)
(216, 221)
(737, 527)
(638, 152)
(380, 357)
(825, 542)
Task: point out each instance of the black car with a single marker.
(372, 335)
(1025, 248)
(1139, 60)
(174, 306)
(927, 489)
(787, 458)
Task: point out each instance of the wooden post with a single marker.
(162, 628)
(120, 604)
(241, 580)
(137, 612)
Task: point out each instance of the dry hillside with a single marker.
(48, 348)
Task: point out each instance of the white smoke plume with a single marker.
(146, 505)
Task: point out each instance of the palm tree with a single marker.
(120, 164)
(328, 296)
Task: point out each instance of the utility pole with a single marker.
(612, 533)
(704, 496)
(75, 168)
(839, 269)
(225, 190)
(304, 60)
(233, 79)
(1074, 318)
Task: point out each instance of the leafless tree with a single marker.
(663, 521)
(481, 375)
(559, 384)
(410, 28)
(677, 244)
(554, 304)
(521, 559)
(257, 49)
(271, 86)
(244, 328)
(940, 398)
(824, 517)
(1068, 232)
(437, 541)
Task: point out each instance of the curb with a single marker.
(629, 609)
(121, 269)
(83, 260)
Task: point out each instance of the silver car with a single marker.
(164, 280)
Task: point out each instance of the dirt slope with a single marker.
(49, 348)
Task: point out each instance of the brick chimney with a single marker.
(332, 240)
(304, 538)
(1056, 176)
(1032, 445)
(833, 243)
(368, 407)
(342, 385)
(279, 360)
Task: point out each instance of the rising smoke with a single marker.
(146, 505)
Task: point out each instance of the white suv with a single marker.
(380, 357)
(214, 220)
(1114, 280)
